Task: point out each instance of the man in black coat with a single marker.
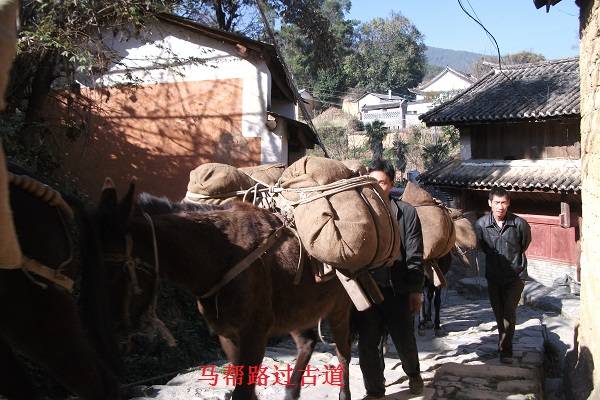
(402, 288)
(504, 238)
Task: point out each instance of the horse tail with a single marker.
(93, 298)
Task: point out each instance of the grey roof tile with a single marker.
(524, 91)
(550, 175)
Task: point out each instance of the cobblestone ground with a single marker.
(460, 365)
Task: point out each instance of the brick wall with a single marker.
(590, 151)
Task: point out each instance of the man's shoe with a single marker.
(506, 359)
(373, 397)
(415, 384)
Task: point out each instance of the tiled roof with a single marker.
(524, 91)
(383, 96)
(464, 76)
(551, 175)
(382, 106)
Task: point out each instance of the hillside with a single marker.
(457, 59)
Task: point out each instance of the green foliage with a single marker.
(399, 151)
(376, 132)
(390, 55)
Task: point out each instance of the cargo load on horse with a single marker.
(342, 219)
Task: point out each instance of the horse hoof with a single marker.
(440, 333)
(428, 324)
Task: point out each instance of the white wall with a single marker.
(167, 53)
(448, 82)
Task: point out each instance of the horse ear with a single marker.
(108, 197)
(126, 204)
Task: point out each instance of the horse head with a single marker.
(131, 265)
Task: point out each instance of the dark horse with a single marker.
(41, 320)
(195, 246)
(433, 296)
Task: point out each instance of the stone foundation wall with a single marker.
(546, 272)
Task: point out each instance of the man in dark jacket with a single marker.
(402, 288)
(504, 238)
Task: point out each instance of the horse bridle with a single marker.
(133, 264)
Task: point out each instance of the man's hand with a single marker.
(415, 300)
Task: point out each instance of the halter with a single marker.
(132, 265)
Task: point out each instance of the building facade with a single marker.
(519, 129)
(180, 95)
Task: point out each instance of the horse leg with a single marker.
(430, 297)
(438, 305)
(14, 381)
(305, 344)
(249, 352)
(343, 346)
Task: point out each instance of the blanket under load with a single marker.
(437, 227)
(343, 220)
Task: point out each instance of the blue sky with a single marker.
(516, 24)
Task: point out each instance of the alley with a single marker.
(463, 364)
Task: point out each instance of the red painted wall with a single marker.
(550, 241)
(157, 133)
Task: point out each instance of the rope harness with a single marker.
(53, 198)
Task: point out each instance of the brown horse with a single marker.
(41, 320)
(195, 246)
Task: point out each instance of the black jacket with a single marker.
(406, 275)
(504, 249)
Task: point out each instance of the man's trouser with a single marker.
(505, 299)
(392, 315)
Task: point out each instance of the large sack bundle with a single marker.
(349, 229)
(436, 223)
(466, 238)
(215, 183)
(267, 174)
(357, 167)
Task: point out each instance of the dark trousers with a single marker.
(505, 299)
(392, 315)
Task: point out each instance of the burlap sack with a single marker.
(357, 167)
(218, 180)
(351, 229)
(436, 223)
(267, 174)
(466, 238)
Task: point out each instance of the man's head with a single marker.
(384, 172)
(499, 201)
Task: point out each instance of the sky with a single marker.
(516, 24)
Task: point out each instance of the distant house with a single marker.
(440, 88)
(388, 108)
(519, 129)
(182, 95)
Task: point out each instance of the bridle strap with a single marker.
(246, 262)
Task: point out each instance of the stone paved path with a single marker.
(461, 365)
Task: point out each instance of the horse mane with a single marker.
(155, 205)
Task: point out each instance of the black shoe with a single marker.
(506, 359)
(415, 384)
(373, 397)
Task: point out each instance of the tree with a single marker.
(400, 149)
(376, 132)
(390, 55)
(315, 43)
(57, 40)
(230, 15)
